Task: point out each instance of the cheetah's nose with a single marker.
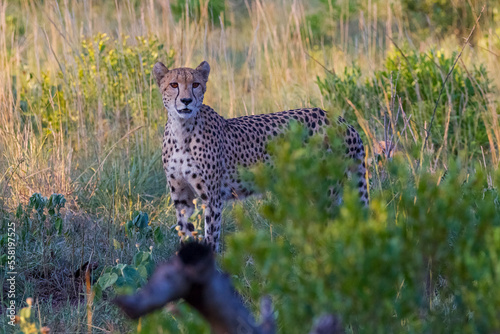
(186, 101)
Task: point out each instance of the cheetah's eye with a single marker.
(174, 85)
(196, 84)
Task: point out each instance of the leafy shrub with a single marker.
(109, 75)
(417, 79)
(425, 262)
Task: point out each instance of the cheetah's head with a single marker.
(182, 88)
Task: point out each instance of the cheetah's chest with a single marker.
(182, 165)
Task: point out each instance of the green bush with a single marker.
(425, 262)
(417, 78)
(422, 258)
(108, 74)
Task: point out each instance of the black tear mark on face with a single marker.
(176, 96)
(194, 95)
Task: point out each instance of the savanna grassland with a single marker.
(81, 177)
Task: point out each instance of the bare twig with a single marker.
(332, 72)
(489, 51)
(54, 54)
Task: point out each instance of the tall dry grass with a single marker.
(256, 68)
(264, 57)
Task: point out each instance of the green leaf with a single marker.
(59, 225)
(142, 271)
(131, 276)
(19, 211)
(117, 244)
(107, 280)
(141, 220)
(25, 313)
(158, 235)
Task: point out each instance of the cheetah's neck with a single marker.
(181, 129)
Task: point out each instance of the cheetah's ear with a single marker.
(204, 69)
(159, 71)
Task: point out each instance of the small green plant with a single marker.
(40, 222)
(126, 278)
(140, 229)
(41, 216)
(80, 114)
(176, 319)
(139, 224)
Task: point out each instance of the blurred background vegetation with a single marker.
(80, 116)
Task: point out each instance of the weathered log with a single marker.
(193, 276)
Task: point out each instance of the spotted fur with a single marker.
(202, 150)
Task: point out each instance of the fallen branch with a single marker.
(192, 276)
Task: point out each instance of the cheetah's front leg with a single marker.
(182, 196)
(213, 223)
(209, 189)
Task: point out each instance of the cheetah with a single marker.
(202, 151)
